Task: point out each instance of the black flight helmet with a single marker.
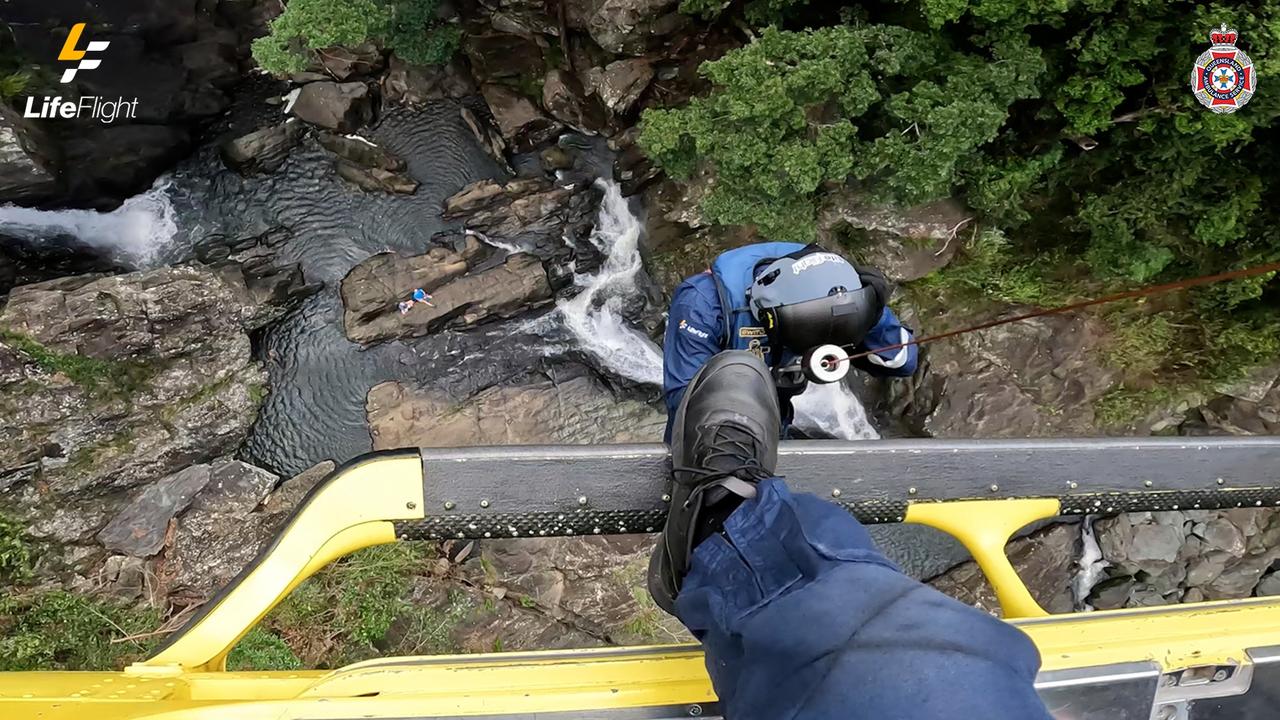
(814, 297)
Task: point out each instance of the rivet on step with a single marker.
(835, 492)
(1221, 481)
(582, 500)
(411, 505)
(1220, 676)
(449, 505)
(1073, 484)
(484, 503)
(911, 491)
(995, 488)
(666, 498)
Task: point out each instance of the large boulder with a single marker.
(108, 384)
(564, 97)
(410, 84)
(576, 410)
(343, 107)
(263, 150)
(503, 291)
(501, 55)
(631, 27)
(904, 244)
(521, 123)
(367, 165)
(227, 523)
(621, 83)
(519, 209)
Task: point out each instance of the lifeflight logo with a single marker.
(105, 110)
(71, 54)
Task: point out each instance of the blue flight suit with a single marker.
(802, 618)
(709, 313)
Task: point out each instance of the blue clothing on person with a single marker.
(802, 618)
(699, 326)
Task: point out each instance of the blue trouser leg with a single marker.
(801, 617)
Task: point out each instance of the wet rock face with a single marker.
(110, 383)
(1034, 378)
(534, 210)
(1187, 556)
(25, 262)
(24, 176)
(263, 150)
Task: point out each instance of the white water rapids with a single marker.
(140, 233)
(136, 234)
(594, 318)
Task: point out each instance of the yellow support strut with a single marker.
(984, 527)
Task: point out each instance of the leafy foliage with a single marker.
(781, 120)
(409, 27)
(15, 556)
(1067, 121)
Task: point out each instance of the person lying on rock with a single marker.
(779, 300)
(799, 614)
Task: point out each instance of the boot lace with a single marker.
(731, 454)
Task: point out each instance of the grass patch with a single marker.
(1141, 344)
(101, 377)
(262, 649)
(356, 609)
(64, 631)
(990, 269)
(1124, 406)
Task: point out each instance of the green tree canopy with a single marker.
(409, 27)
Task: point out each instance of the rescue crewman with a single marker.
(778, 300)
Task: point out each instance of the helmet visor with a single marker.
(842, 318)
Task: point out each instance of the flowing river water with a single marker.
(319, 379)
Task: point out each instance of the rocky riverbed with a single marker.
(177, 371)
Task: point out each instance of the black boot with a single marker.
(723, 442)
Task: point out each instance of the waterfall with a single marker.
(834, 410)
(136, 234)
(593, 317)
